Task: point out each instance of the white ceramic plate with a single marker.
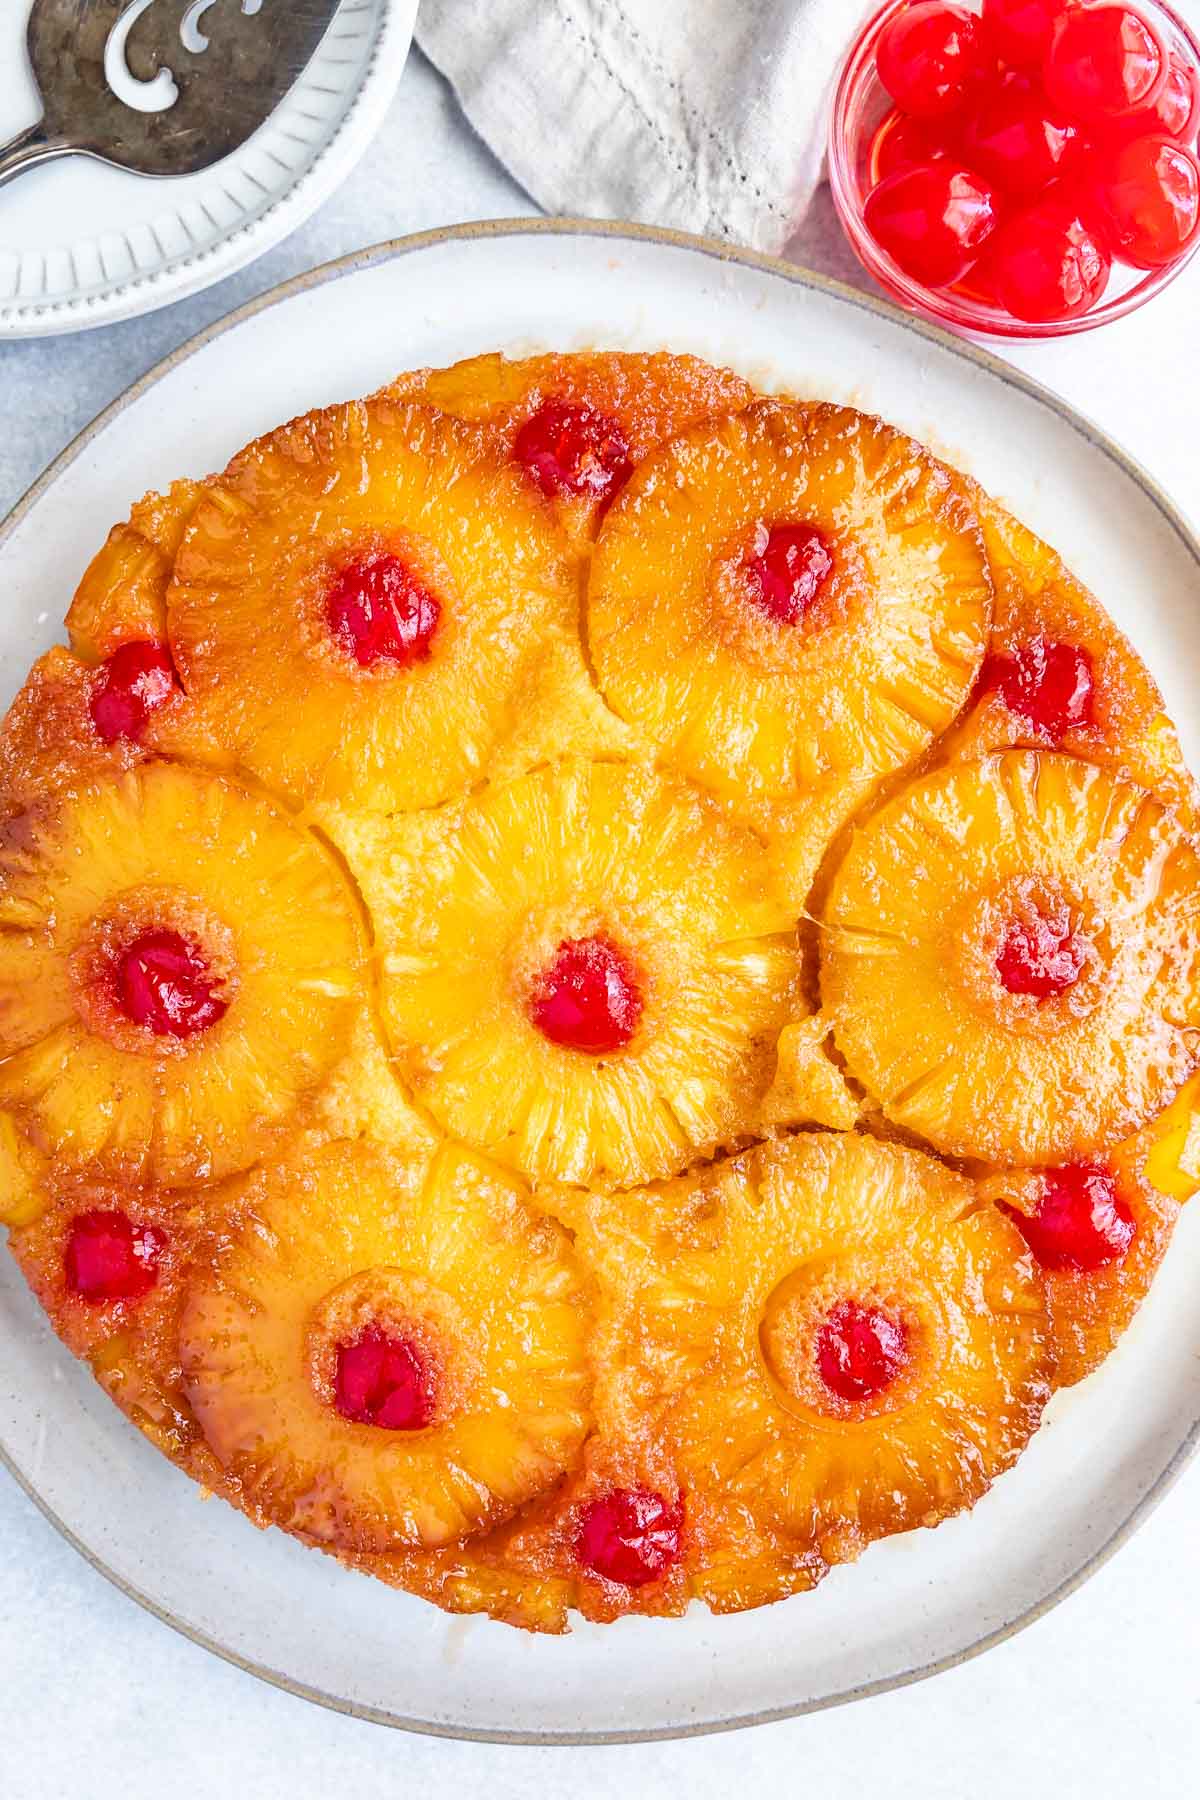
(83, 244)
(1108, 1449)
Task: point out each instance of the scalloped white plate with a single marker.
(1108, 1450)
(82, 244)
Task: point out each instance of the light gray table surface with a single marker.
(97, 1699)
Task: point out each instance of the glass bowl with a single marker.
(861, 102)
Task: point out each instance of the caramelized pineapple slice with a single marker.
(584, 971)
(360, 601)
(788, 598)
(108, 1262)
(1011, 958)
(463, 1579)
(392, 1352)
(537, 1568)
(840, 1340)
(578, 425)
(1167, 1150)
(72, 719)
(23, 1170)
(179, 974)
(1059, 675)
(1097, 1232)
(122, 596)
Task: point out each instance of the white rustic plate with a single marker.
(1107, 1451)
(83, 244)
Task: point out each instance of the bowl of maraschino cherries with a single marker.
(1020, 168)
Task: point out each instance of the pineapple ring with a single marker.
(649, 398)
(246, 612)
(860, 687)
(453, 1245)
(48, 739)
(473, 902)
(165, 843)
(722, 1280)
(1037, 596)
(1091, 1308)
(130, 1341)
(122, 596)
(908, 958)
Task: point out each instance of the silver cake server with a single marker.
(161, 87)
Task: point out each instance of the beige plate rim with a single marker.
(483, 231)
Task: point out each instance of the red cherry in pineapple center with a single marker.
(787, 571)
(107, 1257)
(569, 447)
(1081, 1221)
(1048, 684)
(588, 998)
(631, 1535)
(384, 1380)
(860, 1350)
(164, 982)
(134, 682)
(1040, 954)
(379, 611)
(1102, 62)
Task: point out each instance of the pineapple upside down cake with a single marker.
(599, 984)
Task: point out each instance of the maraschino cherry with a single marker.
(1049, 263)
(379, 610)
(902, 143)
(1014, 138)
(1175, 113)
(860, 1350)
(933, 220)
(1102, 62)
(588, 998)
(383, 1379)
(133, 684)
(930, 57)
(1046, 682)
(787, 573)
(1040, 955)
(1018, 32)
(108, 1258)
(630, 1535)
(164, 982)
(1149, 199)
(1081, 1221)
(570, 447)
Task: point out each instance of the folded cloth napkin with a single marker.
(708, 115)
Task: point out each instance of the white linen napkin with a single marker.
(707, 115)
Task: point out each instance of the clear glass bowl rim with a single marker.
(954, 309)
